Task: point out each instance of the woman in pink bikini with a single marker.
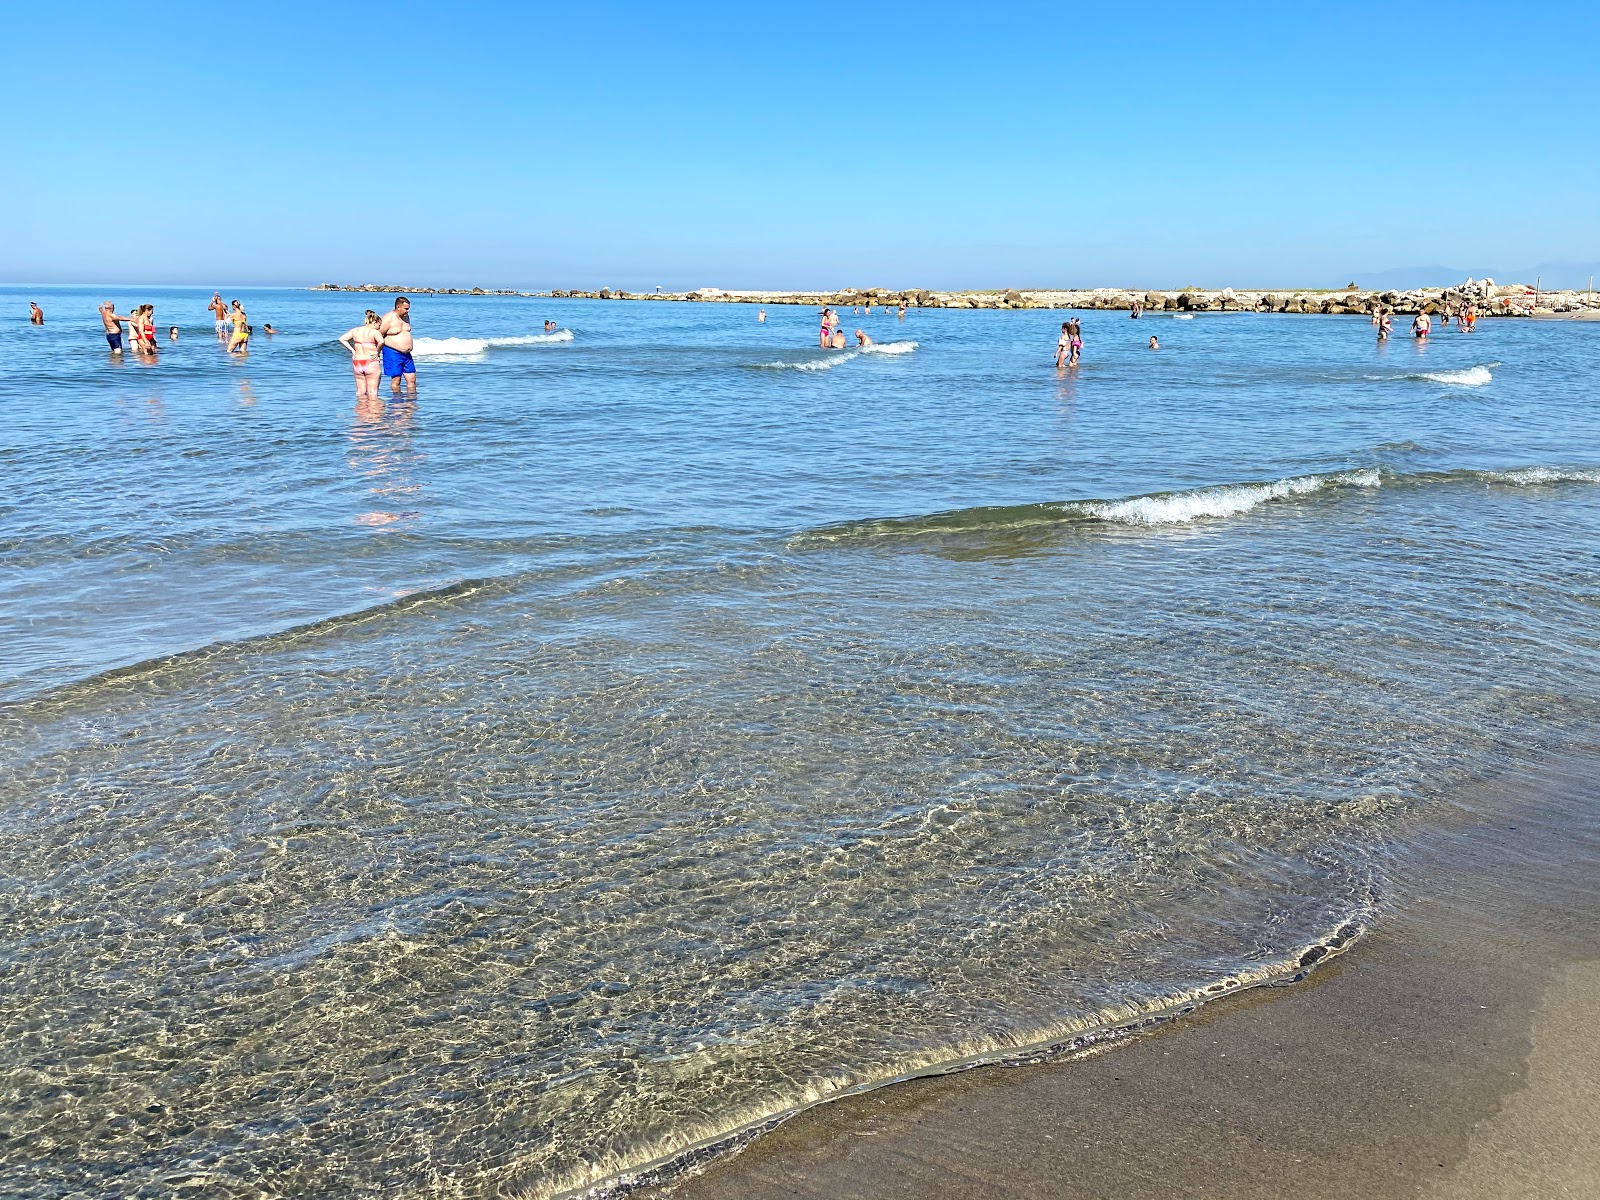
(364, 343)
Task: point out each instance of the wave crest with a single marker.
(1166, 509)
(1470, 377)
(454, 347)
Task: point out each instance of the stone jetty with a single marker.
(1515, 300)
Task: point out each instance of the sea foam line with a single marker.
(1470, 377)
(1180, 508)
(663, 1157)
(454, 347)
(833, 360)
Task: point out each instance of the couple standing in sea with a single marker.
(383, 346)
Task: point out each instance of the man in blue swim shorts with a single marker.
(397, 361)
(113, 324)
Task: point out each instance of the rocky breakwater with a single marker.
(1516, 300)
(388, 288)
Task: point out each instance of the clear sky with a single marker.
(768, 145)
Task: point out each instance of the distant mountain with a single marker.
(1556, 276)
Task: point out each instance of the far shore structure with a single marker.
(1513, 300)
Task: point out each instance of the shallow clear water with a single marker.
(643, 734)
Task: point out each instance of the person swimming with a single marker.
(172, 334)
(549, 326)
(268, 329)
(1154, 345)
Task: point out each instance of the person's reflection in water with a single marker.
(1067, 393)
(383, 450)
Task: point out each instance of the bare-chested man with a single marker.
(113, 324)
(862, 339)
(219, 310)
(35, 313)
(397, 360)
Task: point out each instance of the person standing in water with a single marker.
(240, 342)
(862, 339)
(761, 315)
(219, 311)
(35, 313)
(113, 324)
(365, 344)
(1381, 319)
(1063, 344)
(397, 361)
(1421, 326)
(1076, 330)
(825, 334)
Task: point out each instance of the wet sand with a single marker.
(1450, 1055)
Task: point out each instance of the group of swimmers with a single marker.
(830, 336)
(141, 323)
(1422, 323)
(233, 326)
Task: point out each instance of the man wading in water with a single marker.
(397, 360)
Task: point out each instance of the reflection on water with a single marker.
(383, 450)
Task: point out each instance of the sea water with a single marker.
(662, 725)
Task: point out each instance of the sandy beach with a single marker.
(1449, 1055)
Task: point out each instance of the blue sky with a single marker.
(936, 145)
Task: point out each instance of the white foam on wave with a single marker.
(1180, 508)
(833, 359)
(815, 364)
(1471, 377)
(454, 347)
(533, 339)
(1525, 476)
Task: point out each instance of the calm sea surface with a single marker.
(662, 726)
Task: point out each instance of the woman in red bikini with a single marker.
(365, 343)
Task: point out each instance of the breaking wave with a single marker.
(1179, 508)
(455, 347)
(1157, 510)
(834, 358)
(1470, 377)
(812, 364)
